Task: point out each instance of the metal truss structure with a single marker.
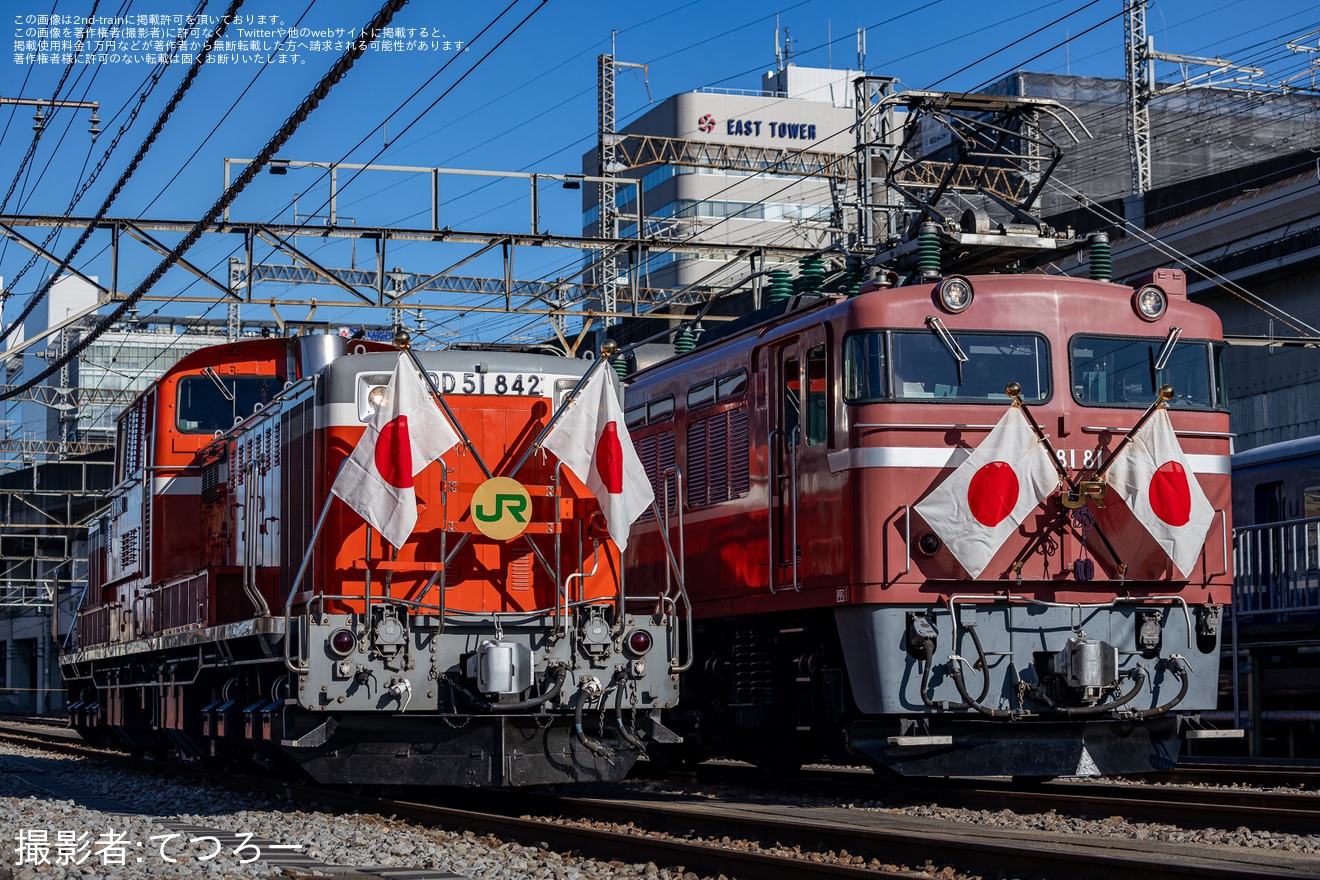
(43, 548)
(378, 287)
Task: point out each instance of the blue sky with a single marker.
(529, 106)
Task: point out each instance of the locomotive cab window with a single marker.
(1127, 372)
(920, 365)
(211, 402)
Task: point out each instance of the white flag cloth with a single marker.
(1152, 475)
(406, 433)
(592, 441)
(986, 498)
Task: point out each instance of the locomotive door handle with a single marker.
(907, 539)
(772, 493)
(1223, 514)
(794, 440)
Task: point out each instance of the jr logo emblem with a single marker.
(517, 504)
(501, 508)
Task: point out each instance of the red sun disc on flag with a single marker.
(609, 459)
(394, 453)
(992, 493)
(1170, 494)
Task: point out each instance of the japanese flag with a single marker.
(407, 432)
(1152, 475)
(987, 497)
(591, 440)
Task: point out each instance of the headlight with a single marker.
(1150, 303)
(955, 293)
(562, 387)
(372, 393)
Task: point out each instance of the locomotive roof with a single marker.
(471, 360)
(1273, 453)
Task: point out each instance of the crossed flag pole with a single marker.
(1015, 468)
(587, 433)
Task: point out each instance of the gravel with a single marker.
(169, 805)
(171, 818)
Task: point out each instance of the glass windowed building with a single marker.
(725, 178)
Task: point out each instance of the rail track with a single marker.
(764, 838)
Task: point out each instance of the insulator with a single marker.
(1102, 258)
(684, 341)
(811, 272)
(620, 364)
(928, 251)
(781, 286)
(853, 275)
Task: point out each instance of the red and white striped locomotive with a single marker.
(237, 609)
(975, 522)
(844, 609)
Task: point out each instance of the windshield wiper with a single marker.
(1159, 361)
(210, 373)
(937, 327)
(1162, 359)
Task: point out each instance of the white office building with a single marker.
(724, 177)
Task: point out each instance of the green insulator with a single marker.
(928, 251)
(811, 273)
(620, 364)
(780, 287)
(1102, 258)
(853, 275)
(684, 341)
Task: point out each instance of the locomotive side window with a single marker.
(791, 413)
(658, 410)
(722, 388)
(923, 367)
(702, 394)
(649, 413)
(865, 368)
(817, 406)
(211, 402)
(1121, 372)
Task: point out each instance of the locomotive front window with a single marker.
(1121, 372)
(921, 366)
(211, 402)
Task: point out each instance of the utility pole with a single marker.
(1140, 84)
(1141, 56)
(607, 155)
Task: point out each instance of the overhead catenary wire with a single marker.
(36, 135)
(345, 63)
(1239, 291)
(402, 104)
(124, 177)
(366, 165)
(676, 246)
(233, 105)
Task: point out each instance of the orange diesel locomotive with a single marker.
(239, 610)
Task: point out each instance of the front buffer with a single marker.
(1011, 685)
